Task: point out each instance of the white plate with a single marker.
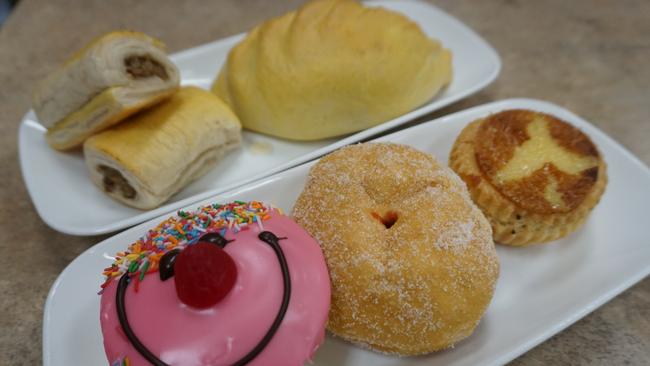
(68, 202)
(541, 289)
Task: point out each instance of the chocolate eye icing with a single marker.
(266, 236)
(215, 238)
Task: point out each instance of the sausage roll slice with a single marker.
(113, 77)
(154, 154)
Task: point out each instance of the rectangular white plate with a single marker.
(541, 289)
(67, 201)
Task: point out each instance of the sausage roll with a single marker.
(113, 77)
(152, 155)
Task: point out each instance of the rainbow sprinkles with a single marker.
(143, 256)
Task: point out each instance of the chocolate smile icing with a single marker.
(166, 272)
(204, 316)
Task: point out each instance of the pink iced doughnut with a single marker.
(274, 314)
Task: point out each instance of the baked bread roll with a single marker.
(411, 258)
(534, 176)
(111, 78)
(330, 68)
(145, 160)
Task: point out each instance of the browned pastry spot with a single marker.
(505, 136)
(114, 179)
(144, 66)
(572, 138)
(529, 192)
(471, 180)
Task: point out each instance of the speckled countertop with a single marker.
(590, 56)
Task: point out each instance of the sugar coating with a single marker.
(420, 285)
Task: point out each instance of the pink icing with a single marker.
(224, 333)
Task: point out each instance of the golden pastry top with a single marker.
(330, 68)
(538, 161)
(159, 141)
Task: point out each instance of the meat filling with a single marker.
(114, 180)
(144, 66)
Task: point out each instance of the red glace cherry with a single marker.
(204, 274)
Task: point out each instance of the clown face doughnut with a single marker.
(411, 258)
(235, 284)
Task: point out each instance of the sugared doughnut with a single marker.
(411, 258)
(534, 176)
(236, 284)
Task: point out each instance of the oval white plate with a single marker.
(66, 200)
(541, 289)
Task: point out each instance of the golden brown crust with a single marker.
(504, 134)
(411, 258)
(104, 107)
(570, 137)
(519, 209)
